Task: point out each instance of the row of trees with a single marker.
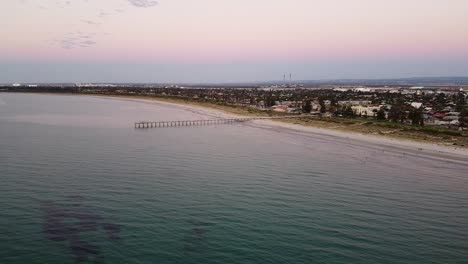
(464, 117)
(399, 112)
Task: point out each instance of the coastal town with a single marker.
(255, 131)
(442, 107)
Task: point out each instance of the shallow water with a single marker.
(81, 185)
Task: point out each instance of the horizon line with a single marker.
(249, 82)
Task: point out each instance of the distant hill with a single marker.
(414, 81)
(423, 81)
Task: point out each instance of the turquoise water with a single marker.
(80, 185)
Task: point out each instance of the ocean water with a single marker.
(78, 184)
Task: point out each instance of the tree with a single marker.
(270, 100)
(440, 102)
(338, 111)
(416, 116)
(398, 112)
(348, 112)
(460, 101)
(463, 119)
(381, 114)
(323, 109)
(395, 113)
(307, 108)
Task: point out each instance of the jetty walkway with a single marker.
(205, 122)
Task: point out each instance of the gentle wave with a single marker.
(234, 194)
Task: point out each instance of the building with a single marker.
(365, 110)
(416, 105)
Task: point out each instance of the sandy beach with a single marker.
(375, 142)
(380, 143)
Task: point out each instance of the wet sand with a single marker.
(450, 154)
(407, 147)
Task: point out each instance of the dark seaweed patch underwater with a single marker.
(196, 239)
(226, 194)
(71, 222)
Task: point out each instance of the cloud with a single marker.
(86, 43)
(143, 3)
(103, 14)
(76, 40)
(63, 4)
(82, 40)
(90, 22)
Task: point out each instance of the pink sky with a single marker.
(226, 31)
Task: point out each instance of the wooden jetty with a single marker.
(203, 122)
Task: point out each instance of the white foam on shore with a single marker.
(448, 153)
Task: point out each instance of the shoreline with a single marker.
(453, 154)
(384, 143)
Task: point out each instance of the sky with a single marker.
(230, 40)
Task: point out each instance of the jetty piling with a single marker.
(204, 122)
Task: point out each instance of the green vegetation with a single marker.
(464, 118)
(402, 113)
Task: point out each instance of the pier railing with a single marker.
(203, 122)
